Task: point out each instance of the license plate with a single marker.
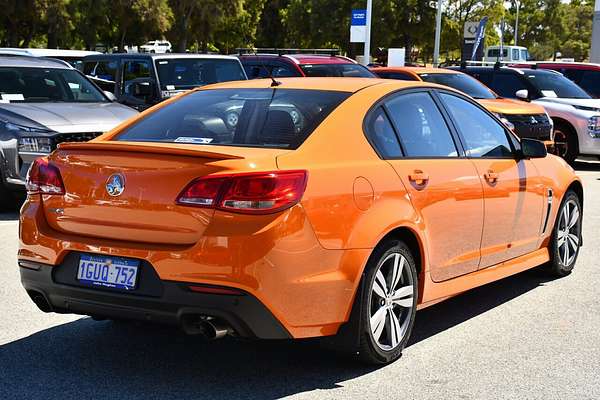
(108, 272)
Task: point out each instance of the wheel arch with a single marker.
(562, 121)
(576, 187)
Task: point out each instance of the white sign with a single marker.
(470, 31)
(396, 57)
(358, 34)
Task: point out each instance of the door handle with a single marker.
(491, 176)
(418, 177)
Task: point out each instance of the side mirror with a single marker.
(531, 148)
(522, 94)
(111, 96)
(141, 89)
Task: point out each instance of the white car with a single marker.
(576, 115)
(509, 54)
(156, 46)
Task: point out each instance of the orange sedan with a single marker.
(301, 208)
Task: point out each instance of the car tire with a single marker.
(566, 144)
(389, 302)
(566, 236)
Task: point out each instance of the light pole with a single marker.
(595, 53)
(438, 31)
(368, 33)
(517, 23)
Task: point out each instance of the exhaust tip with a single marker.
(206, 326)
(40, 300)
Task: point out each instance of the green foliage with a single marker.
(545, 26)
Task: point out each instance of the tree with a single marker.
(21, 20)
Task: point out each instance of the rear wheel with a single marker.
(389, 302)
(565, 142)
(566, 237)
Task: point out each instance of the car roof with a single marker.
(32, 62)
(301, 58)
(156, 56)
(417, 70)
(47, 52)
(333, 84)
(566, 64)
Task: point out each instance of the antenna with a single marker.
(274, 82)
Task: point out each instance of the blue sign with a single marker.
(359, 18)
(479, 36)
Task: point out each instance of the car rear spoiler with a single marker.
(189, 150)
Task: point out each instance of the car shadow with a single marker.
(586, 165)
(6, 215)
(90, 359)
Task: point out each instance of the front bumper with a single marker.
(55, 289)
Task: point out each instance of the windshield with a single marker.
(188, 73)
(46, 85)
(552, 84)
(462, 82)
(279, 118)
(337, 70)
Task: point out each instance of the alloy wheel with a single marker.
(392, 301)
(568, 233)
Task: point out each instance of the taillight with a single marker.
(44, 178)
(251, 193)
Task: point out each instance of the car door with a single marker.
(513, 191)
(443, 185)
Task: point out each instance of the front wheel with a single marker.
(566, 237)
(566, 144)
(389, 302)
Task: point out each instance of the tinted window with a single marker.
(133, 70)
(507, 84)
(496, 52)
(281, 118)
(421, 127)
(337, 70)
(552, 84)
(260, 70)
(394, 75)
(188, 73)
(462, 82)
(591, 82)
(484, 137)
(45, 85)
(484, 77)
(382, 135)
(103, 73)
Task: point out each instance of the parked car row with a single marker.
(535, 102)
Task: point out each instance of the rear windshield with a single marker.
(337, 70)
(462, 82)
(188, 73)
(278, 118)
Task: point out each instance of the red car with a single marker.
(586, 75)
(283, 65)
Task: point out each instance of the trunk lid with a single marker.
(151, 175)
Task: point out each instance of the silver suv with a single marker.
(44, 102)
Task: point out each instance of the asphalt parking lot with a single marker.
(526, 337)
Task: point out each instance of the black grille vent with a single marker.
(75, 137)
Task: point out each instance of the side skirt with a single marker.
(435, 292)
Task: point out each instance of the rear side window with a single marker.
(264, 70)
(337, 70)
(507, 85)
(484, 137)
(277, 118)
(422, 129)
(590, 82)
(103, 73)
(382, 135)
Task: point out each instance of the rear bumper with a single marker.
(165, 302)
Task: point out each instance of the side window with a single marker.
(103, 73)
(590, 82)
(133, 70)
(483, 77)
(515, 54)
(483, 136)
(281, 70)
(381, 133)
(421, 127)
(395, 75)
(507, 84)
